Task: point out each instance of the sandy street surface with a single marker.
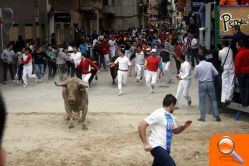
(38, 135)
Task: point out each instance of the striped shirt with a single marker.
(162, 123)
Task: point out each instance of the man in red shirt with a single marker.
(152, 63)
(106, 51)
(242, 71)
(85, 68)
(27, 67)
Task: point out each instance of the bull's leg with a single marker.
(71, 125)
(68, 116)
(83, 118)
(67, 111)
(79, 116)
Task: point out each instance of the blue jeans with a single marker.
(39, 70)
(207, 88)
(161, 157)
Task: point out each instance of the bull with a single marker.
(75, 100)
(114, 69)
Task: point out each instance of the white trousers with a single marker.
(227, 85)
(183, 89)
(166, 70)
(112, 52)
(127, 53)
(86, 77)
(107, 59)
(27, 71)
(151, 78)
(140, 71)
(122, 79)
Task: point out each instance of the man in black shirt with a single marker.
(238, 35)
(165, 55)
(212, 57)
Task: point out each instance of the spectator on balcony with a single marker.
(229, 2)
(226, 58)
(238, 35)
(242, 71)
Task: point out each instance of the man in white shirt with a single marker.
(184, 78)
(75, 58)
(95, 41)
(124, 69)
(27, 67)
(226, 55)
(139, 64)
(112, 43)
(194, 51)
(162, 125)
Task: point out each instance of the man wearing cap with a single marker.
(152, 63)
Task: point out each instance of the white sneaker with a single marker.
(120, 93)
(25, 86)
(39, 80)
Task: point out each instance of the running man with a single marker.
(152, 63)
(162, 125)
(124, 69)
(184, 78)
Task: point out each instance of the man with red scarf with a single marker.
(27, 67)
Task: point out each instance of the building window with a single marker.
(67, 33)
(108, 2)
(13, 33)
(43, 33)
(28, 30)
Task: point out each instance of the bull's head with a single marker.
(73, 90)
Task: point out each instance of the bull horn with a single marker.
(82, 84)
(63, 84)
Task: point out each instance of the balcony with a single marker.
(88, 5)
(108, 7)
